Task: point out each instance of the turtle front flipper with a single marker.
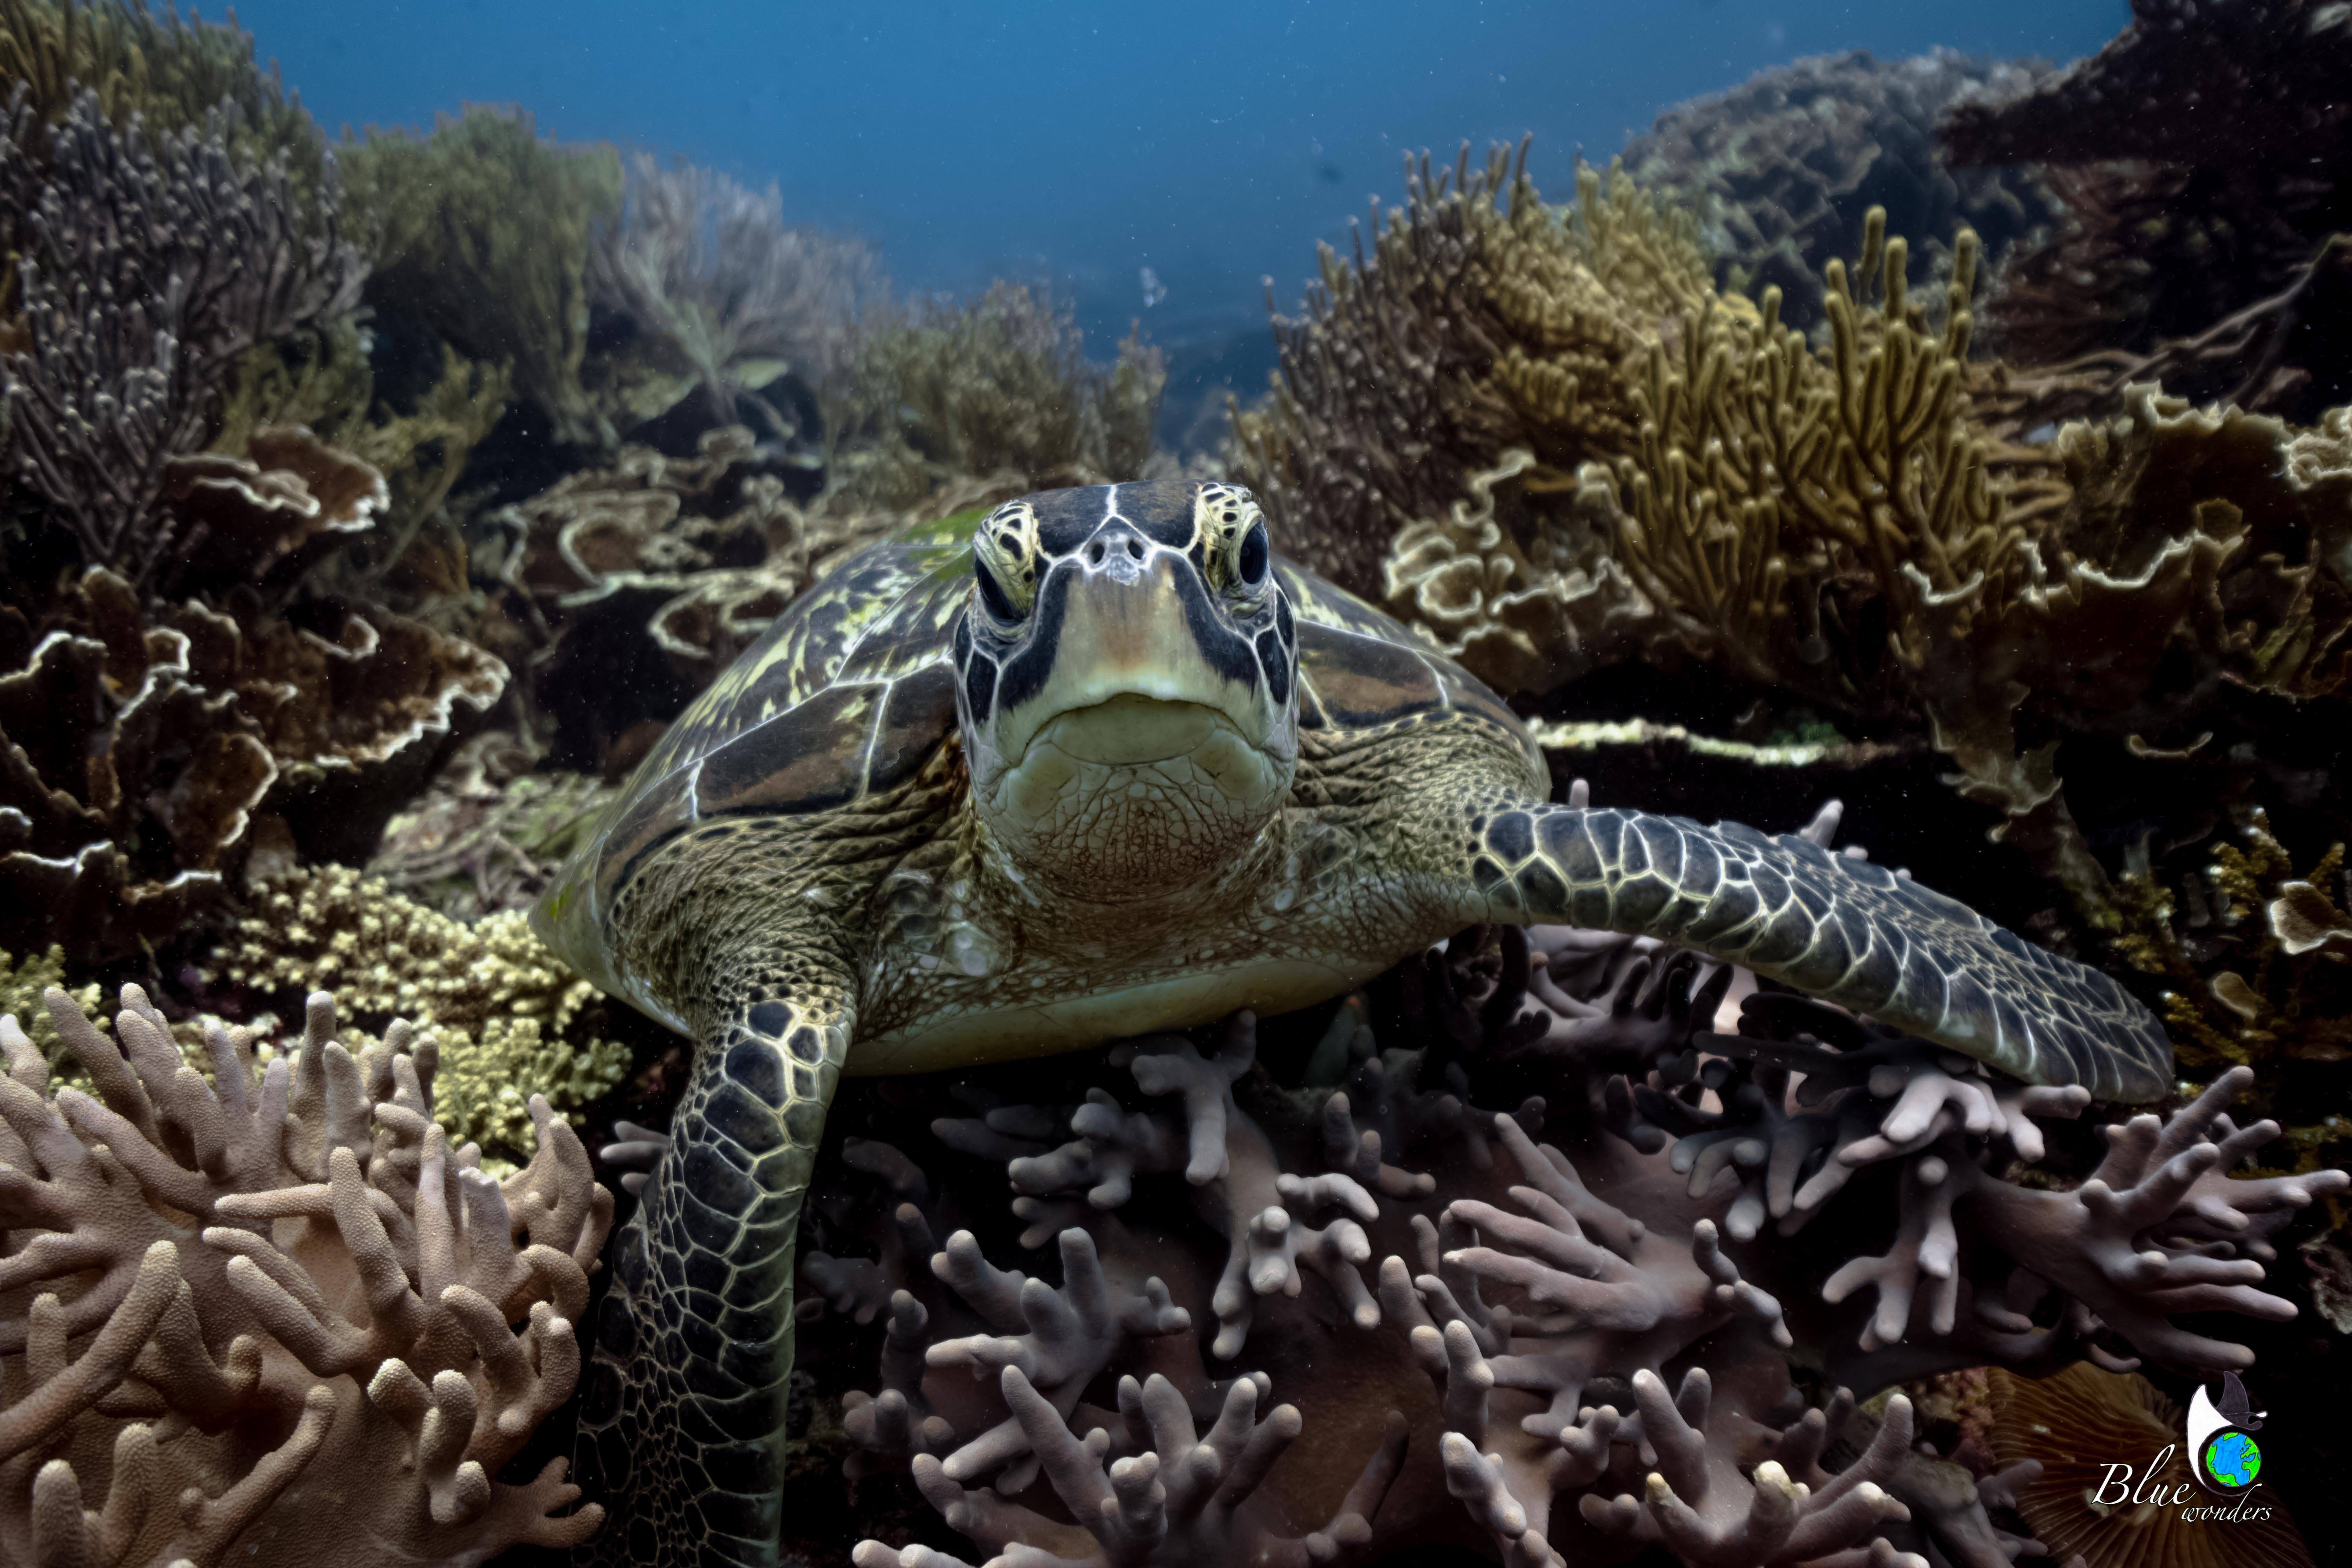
(682, 1419)
(1842, 929)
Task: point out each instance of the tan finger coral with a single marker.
(180, 1328)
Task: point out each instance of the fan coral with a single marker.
(511, 1019)
(1586, 1342)
(1480, 321)
(649, 575)
(2203, 260)
(480, 233)
(139, 751)
(997, 389)
(185, 1262)
(1781, 169)
(148, 262)
(725, 298)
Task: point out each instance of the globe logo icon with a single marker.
(2231, 1461)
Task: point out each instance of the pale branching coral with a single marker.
(183, 1333)
(147, 263)
(511, 1021)
(725, 298)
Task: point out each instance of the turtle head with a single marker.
(1130, 694)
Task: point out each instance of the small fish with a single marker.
(1154, 290)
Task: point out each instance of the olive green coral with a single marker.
(511, 1020)
(480, 231)
(1000, 384)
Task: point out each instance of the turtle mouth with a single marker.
(1132, 728)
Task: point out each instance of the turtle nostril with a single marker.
(1135, 548)
(1095, 554)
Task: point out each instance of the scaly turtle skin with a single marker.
(1095, 765)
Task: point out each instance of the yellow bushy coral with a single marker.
(511, 1020)
(21, 981)
(1477, 321)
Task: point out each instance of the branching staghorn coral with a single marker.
(511, 1021)
(996, 389)
(148, 262)
(1478, 322)
(1835, 523)
(176, 1336)
(725, 298)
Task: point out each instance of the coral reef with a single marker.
(511, 1021)
(1780, 170)
(486, 835)
(183, 1333)
(141, 751)
(725, 299)
(1480, 321)
(147, 262)
(632, 585)
(997, 389)
(480, 233)
(171, 70)
(1833, 522)
(1571, 1344)
(2203, 260)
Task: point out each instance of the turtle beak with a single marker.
(1135, 637)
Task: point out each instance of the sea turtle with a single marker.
(1095, 763)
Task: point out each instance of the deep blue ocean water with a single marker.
(1213, 141)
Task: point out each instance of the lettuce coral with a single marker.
(182, 1332)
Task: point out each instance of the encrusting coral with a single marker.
(1780, 170)
(511, 1021)
(1565, 1330)
(275, 1317)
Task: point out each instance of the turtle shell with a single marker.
(853, 689)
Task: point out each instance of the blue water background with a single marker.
(1214, 141)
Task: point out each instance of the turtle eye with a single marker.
(1253, 555)
(1000, 602)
